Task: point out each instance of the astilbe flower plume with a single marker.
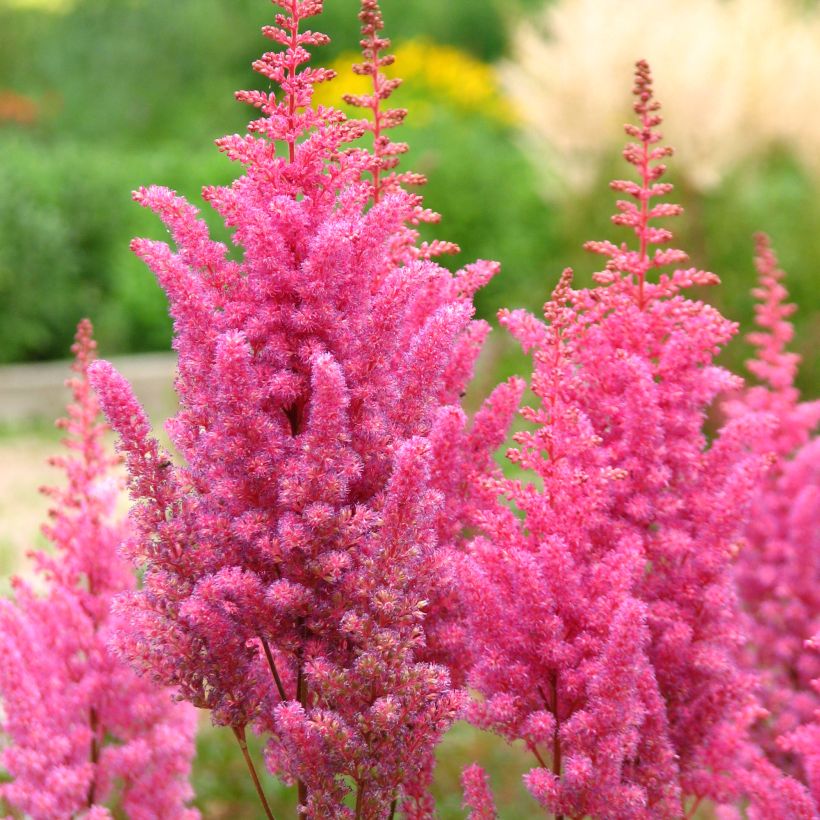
(778, 568)
(605, 618)
(804, 741)
(561, 638)
(81, 727)
(290, 562)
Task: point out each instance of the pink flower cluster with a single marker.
(605, 616)
(334, 561)
(82, 727)
(778, 569)
(290, 563)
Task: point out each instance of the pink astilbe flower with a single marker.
(477, 795)
(82, 727)
(606, 617)
(562, 661)
(804, 741)
(778, 569)
(290, 564)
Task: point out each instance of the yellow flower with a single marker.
(47, 5)
(431, 72)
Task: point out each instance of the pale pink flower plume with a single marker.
(778, 568)
(82, 728)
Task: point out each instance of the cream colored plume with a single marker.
(735, 77)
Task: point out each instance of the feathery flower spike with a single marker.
(778, 568)
(606, 620)
(298, 562)
(82, 727)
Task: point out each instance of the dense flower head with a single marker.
(605, 617)
(562, 640)
(292, 558)
(804, 741)
(778, 567)
(81, 726)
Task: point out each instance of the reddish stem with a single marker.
(377, 120)
(360, 800)
(273, 669)
(644, 211)
(301, 696)
(541, 763)
(94, 755)
(293, 45)
(691, 813)
(239, 733)
(556, 739)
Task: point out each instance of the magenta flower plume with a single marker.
(83, 730)
(477, 795)
(606, 618)
(561, 638)
(804, 741)
(778, 567)
(292, 564)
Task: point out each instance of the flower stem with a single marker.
(272, 664)
(556, 740)
(94, 754)
(691, 813)
(359, 800)
(239, 733)
(301, 697)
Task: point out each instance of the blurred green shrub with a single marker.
(66, 218)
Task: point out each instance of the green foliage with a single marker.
(66, 217)
(54, 261)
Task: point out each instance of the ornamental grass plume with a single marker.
(778, 568)
(605, 618)
(732, 69)
(85, 734)
(291, 561)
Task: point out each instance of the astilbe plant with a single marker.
(82, 729)
(804, 741)
(289, 563)
(561, 639)
(606, 618)
(778, 568)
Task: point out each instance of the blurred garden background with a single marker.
(516, 109)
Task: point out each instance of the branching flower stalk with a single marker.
(81, 727)
(606, 618)
(294, 559)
